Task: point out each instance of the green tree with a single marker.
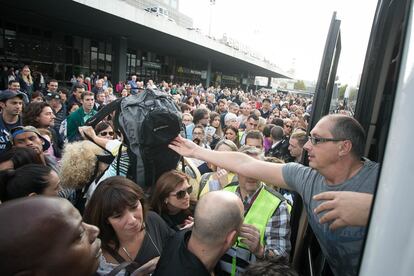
(299, 85)
(341, 91)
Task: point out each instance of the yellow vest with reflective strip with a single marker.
(260, 212)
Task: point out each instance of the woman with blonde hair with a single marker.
(26, 81)
(83, 163)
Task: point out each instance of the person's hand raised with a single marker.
(88, 130)
(183, 146)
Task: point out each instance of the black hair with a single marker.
(31, 178)
(253, 116)
(267, 129)
(277, 122)
(20, 157)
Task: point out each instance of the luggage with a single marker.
(148, 122)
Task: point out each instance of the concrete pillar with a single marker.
(120, 59)
(269, 82)
(208, 79)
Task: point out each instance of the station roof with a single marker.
(118, 18)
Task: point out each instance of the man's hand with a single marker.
(146, 268)
(183, 146)
(251, 237)
(344, 208)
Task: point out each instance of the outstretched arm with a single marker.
(232, 161)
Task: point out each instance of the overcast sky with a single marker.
(291, 33)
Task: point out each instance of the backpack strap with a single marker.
(105, 111)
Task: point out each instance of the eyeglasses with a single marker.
(318, 140)
(181, 194)
(290, 126)
(198, 133)
(104, 133)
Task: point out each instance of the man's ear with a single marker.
(230, 239)
(345, 147)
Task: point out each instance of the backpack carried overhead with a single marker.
(148, 122)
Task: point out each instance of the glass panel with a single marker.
(35, 50)
(77, 56)
(86, 58)
(68, 56)
(108, 48)
(108, 58)
(46, 51)
(101, 61)
(101, 46)
(59, 53)
(10, 46)
(58, 71)
(77, 42)
(94, 60)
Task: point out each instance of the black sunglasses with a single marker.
(104, 133)
(181, 194)
(318, 140)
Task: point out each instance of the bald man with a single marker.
(217, 220)
(46, 236)
(335, 153)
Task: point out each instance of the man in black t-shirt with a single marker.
(217, 220)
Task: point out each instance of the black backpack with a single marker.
(148, 122)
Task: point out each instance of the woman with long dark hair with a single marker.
(127, 231)
(171, 199)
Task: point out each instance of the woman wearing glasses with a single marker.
(128, 232)
(171, 199)
(105, 130)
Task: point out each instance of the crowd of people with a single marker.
(68, 208)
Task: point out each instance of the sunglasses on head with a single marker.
(181, 194)
(104, 133)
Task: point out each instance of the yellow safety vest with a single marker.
(260, 212)
(258, 215)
